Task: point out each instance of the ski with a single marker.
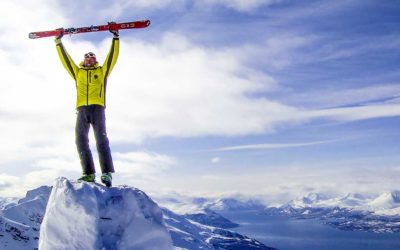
(71, 31)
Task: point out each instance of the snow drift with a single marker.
(90, 216)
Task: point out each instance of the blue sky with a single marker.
(273, 98)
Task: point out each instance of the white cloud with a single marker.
(17, 186)
(379, 93)
(176, 88)
(141, 164)
(279, 184)
(118, 8)
(270, 146)
(239, 5)
(215, 160)
(7, 180)
(353, 113)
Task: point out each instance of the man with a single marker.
(91, 83)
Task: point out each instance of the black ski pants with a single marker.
(92, 115)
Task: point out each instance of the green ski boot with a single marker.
(87, 177)
(106, 179)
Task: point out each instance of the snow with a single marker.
(20, 221)
(387, 200)
(7, 202)
(78, 215)
(195, 205)
(386, 203)
(29, 209)
(90, 216)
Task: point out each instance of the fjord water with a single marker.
(285, 233)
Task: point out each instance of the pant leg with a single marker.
(102, 143)
(82, 141)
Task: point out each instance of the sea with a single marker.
(287, 233)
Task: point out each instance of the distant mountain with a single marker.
(20, 222)
(308, 201)
(388, 200)
(189, 235)
(193, 205)
(87, 215)
(211, 218)
(350, 212)
(230, 204)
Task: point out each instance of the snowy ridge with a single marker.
(351, 212)
(20, 222)
(194, 205)
(188, 234)
(230, 204)
(90, 216)
(387, 203)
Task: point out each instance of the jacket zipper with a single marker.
(101, 88)
(88, 80)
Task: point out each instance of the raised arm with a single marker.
(112, 56)
(65, 58)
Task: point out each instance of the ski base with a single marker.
(97, 28)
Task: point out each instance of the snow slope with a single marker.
(386, 204)
(90, 216)
(20, 222)
(188, 234)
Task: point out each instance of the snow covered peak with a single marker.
(314, 198)
(90, 216)
(387, 203)
(310, 200)
(387, 200)
(42, 192)
(231, 204)
(352, 200)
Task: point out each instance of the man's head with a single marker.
(90, 59)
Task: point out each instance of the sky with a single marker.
(262, 98)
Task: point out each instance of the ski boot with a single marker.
(106, 179)
(87, 177)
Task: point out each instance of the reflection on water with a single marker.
(287, 233)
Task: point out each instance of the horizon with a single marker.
(272, 98)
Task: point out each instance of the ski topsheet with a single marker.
(114, 26)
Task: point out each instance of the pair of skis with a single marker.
(97, 28)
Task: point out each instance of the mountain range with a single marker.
(378, 214)
(353, 211)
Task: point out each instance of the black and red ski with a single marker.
(71, 31)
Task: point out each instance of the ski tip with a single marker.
(147, 23)
(32, 35)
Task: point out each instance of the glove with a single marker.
(112, 30)
(61, 34)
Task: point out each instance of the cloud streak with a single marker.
(268, 146)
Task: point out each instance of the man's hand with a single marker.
(111, 28)
(61, 34)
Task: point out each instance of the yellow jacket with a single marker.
(91, 82)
